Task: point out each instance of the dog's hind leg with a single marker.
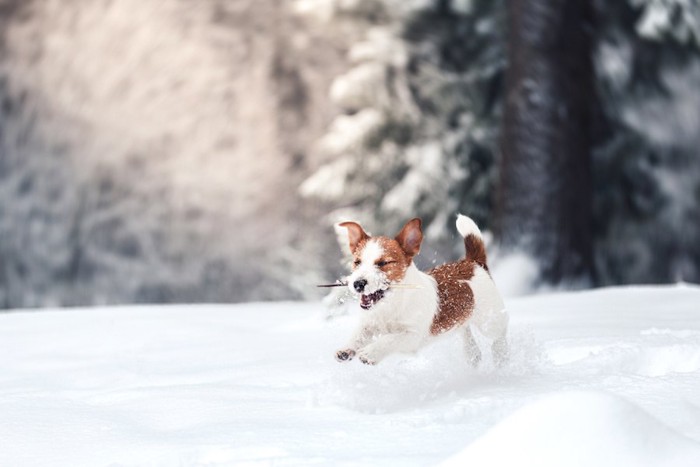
(498, 328)
(471, 347)
(499, 348)
(494, 327)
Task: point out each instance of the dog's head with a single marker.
(381, 261)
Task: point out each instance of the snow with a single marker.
(426, 171)
(677, 18)
(609, 431)
(359, 87)
(380, 45)
(675, 119)
(601, 377)
(349, 131)
(516, 273)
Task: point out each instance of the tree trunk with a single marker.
(543, 201)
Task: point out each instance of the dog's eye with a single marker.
(357, 262)
(383, 263)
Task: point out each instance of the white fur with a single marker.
(466, 226)
(368, 270)
(487, 304)
(400, 322)
(489, 315)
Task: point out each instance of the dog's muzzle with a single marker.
(368, 300)
(359, 285)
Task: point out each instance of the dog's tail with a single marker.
(473, 241)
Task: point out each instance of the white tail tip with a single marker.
(466, 226)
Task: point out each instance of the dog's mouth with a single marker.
(367, 301)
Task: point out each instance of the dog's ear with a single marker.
(410, 237)
(355, 234)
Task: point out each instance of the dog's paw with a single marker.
(344, 355)
(366, 357)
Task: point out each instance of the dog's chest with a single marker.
(407, 309)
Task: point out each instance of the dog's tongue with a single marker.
(366, 301)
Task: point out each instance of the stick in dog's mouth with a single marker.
(391, 286)
(367, 301)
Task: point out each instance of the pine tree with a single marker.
(640, 161)
(646, 167)
(418, 135)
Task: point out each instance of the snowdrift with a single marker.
(580, 429)
(604, 377)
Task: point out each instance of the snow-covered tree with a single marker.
(646, 165)
(418, 134)
(640, 144)
(151, 150)
(190, 151)
(608, 187)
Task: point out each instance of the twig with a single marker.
(337, 284)
(391, 286)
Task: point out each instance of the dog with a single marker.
(404, 308)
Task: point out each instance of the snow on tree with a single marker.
(418, 134)
(646, 169)
(150, 150)
(677, 20)
(162, 161)
(641, 146)
(422, 121)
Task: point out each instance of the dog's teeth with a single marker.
(368, 300)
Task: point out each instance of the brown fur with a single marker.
(454, 293)
(410, 237)
(476, 250)
(356, 235)
(394, 257)
(356, 250)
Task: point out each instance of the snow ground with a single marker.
(604, 377)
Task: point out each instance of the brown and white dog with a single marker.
(404, 308)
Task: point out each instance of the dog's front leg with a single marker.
(386, 344)
(358, 340)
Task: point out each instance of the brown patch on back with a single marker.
(455, 295)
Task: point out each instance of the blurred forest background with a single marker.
(200, 150)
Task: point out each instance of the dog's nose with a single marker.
(359, 285)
